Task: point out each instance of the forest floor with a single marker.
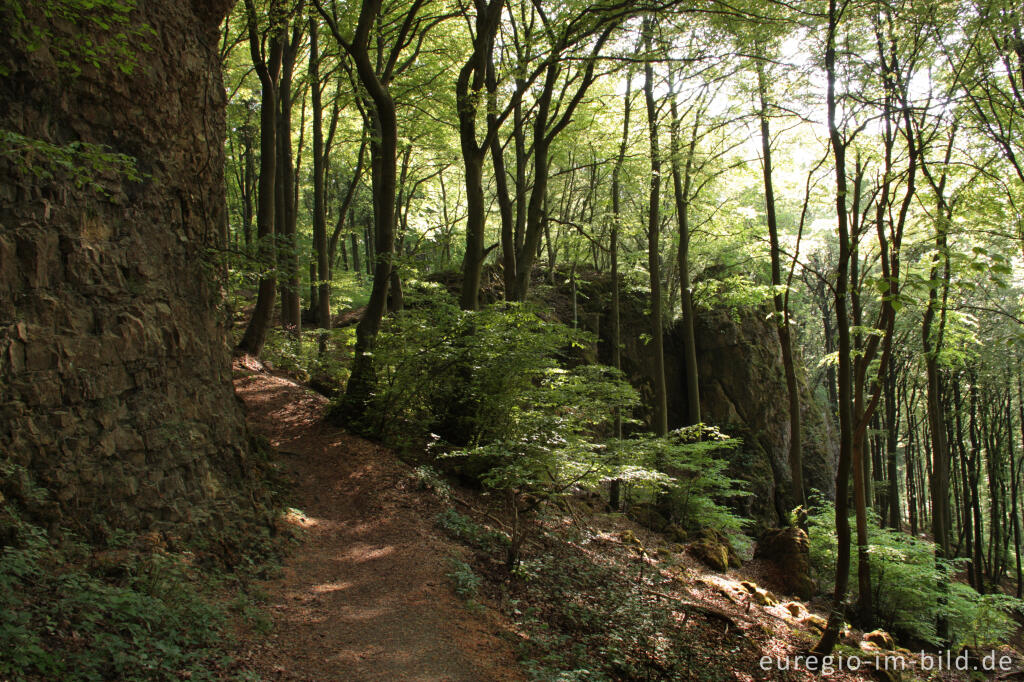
(369, 593)
(365, 595)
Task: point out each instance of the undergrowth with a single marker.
(913, 589)
(591, 616)
(595, 617)
(128, 607)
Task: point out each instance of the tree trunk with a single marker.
(844, 376)
(384, 146)
(892, 423)
(616, 485)
(288, 257)
(681, 191)
(782, 319)
(660, 417)
(323, 309)
(268, 71)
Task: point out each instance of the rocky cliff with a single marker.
(742, 388)
(115, 390)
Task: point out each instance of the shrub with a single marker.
(911, 588)
(694, 491)
(458, 374)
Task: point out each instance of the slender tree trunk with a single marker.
(844, 375)
(660, 421)
(615, 492)
(468, 87)
(909, 457)
(356, 268)
(286, 209)
(354, 404)
(892, 424)
(782, 320)
(323, 310)
(681, 191)
(268, 71)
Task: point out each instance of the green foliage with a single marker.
(464, 529)
(695, 489)
(87, 166)
(732, 293)
(59, 620)
(429, 478)
(100, 32)
(475, 378)
(316, 355)
(911, 588)
(465, 582)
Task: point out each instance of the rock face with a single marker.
(115, 387)
(742, 390)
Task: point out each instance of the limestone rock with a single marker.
(788, 550)
(742, 391)
(881, 639)
(714, 550)
(814, 622)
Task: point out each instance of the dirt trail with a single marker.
(364, 597)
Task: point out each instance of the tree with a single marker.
(267, 63)
(660, 421)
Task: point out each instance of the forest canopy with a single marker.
(853, 169)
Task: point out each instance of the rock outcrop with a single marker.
(115, 391)
(787, 551)
(742, 388)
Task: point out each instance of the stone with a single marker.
(675, 533)
(714, 550)
(788, 552)
(742, 390)
(711, 554)
(881, 639)
(814, 622)
(111, 321)
(648, 516)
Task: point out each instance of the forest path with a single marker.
(364, 596)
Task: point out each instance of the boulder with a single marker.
(648, 516)
(881, 639)
(758, 594)
(814, 622)
(714, 550)
(788, 551)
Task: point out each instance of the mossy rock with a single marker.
(648, 516)
(675, 533)
(714, 549)
(815, 622)
(882, 639)
(712, 554)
